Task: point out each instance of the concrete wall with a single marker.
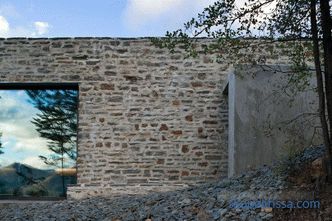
(146, 117)
(267, 120)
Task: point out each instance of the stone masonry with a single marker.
(147, 118)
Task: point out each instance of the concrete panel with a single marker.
(268, 117)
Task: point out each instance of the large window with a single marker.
(38, 139)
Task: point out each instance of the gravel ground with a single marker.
(206, 202)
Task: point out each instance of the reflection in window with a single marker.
(38, 142)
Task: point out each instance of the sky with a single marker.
(97, 18)
(20, 140)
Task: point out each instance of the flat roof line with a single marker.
(38, 86)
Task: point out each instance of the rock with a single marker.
(223, 212)
(203, 215)
(210, 201)
(267, 210)
(317, 169)
(267, 216)
(185, 202)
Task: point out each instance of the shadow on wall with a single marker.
(269, 115)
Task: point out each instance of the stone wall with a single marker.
(146, 117)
